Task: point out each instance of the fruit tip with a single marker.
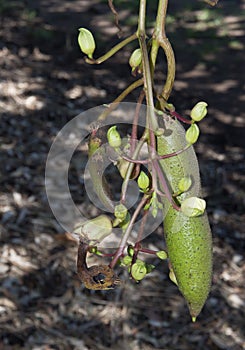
(193, 319)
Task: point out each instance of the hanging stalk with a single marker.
(171, 159)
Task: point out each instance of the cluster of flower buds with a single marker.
(198, 112)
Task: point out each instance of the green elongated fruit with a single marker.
(188, 240)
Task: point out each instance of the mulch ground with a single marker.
(45, 83)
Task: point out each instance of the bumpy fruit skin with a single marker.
(188, 239)
(190, 253)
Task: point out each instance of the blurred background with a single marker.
(44, 83)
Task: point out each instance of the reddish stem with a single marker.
(139, 238)
(165, 156)
(133, 138)
(164, 184)
(179, 117)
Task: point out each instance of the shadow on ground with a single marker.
(45, 83)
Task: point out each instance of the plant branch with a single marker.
(131, 167)
(160, 40)
(127, 233)
(152, 122)
(112, 51)
(120, 98)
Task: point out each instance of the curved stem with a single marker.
(167, 89)
(120, 98)
(160, 40)
(152, 122)
(133, 138)
(130, 168)
(164, 184)
(139, 237)
(112, 51)
(128, 232)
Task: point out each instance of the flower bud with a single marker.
(143, 181)
(126, 261)
(130, 250)
(114, 137)
(192, 134)
(199, 111)
(184, 183)
(135, 59)
(193, 206)
(173, 277)
(124, 224)
(86, 42)
(120, 212)
(161, 254)
(95, 230)
(170, 107)
(138, 270)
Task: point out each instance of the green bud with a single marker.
(116, 222)
(161, 254)
(138, 270)
(86, 42)
(192, 134)
(130, 250)
(193, 206)
(135, 59)
(149, 267)
(120, 212)
(147, 206)
(170, 107)
(143, 181)
(126, 261)
(95, 230)
(184, 183)
(114, 137)
(154, 211)
(173, 277)
(125, 222)
(93, 250)
(199, 111)
(155, 205)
